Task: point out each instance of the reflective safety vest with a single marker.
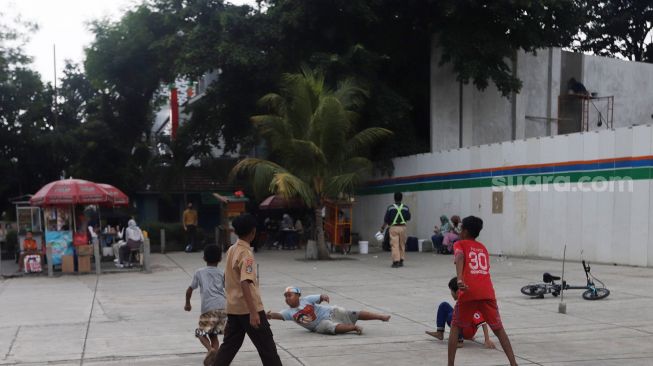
(399, 217)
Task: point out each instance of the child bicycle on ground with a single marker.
(476, 292)
(210, 280)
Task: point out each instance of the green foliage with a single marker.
(618, 28)
(479, 38)
(310, 131)
(128, 61)
(24, 113)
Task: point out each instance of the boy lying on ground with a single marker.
(310, 313)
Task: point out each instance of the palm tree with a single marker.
(317, 153)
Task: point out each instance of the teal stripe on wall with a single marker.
(571, 177)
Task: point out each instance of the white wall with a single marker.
(612, 227)
(631, 84)
(487, 116)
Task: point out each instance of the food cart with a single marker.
(64, 214)
(337, 224)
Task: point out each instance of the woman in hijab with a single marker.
(439, 233)
(452, 235)
(134, 239)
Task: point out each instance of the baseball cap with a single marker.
(293, 290)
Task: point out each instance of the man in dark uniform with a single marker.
(396, 217)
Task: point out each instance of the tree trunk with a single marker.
(322, 251)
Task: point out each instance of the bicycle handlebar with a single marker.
(586, 267)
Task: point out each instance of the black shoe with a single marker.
(395, 265)
(401, 263)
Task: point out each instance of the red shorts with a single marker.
(463, 315)
(470, 332)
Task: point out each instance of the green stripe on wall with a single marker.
(572, 177)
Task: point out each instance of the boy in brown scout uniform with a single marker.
(245, 314)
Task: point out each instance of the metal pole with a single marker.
(163, 241)
(98, 259)
(562, 307)
(146, 255)
(48, 255)
(216, 232)
(1, 259)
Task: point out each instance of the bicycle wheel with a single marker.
(534, 290)
(597, 294)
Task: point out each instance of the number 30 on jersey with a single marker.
(478, 261)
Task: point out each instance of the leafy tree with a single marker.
(479, 38)
(126, 64)
(24, 112)
(619, 28)
(385, 45)
(240, 44)
(128, 61)
(316, 151)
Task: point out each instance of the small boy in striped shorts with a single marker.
(210, 280)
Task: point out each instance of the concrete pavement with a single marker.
(138, 319)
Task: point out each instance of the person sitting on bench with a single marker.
(134, 238)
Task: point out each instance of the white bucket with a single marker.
(420, 243)
(363, 247)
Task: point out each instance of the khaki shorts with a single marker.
(338, 316)
(211, 323)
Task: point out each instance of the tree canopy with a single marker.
(619, 28)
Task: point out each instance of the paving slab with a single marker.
(138, 319)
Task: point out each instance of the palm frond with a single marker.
(259, 172)
(289, 186)
(360, 143)
(342, 184)
(350, 94)
(274, 129)
(273, 103)
(302, 101)
(331, 127)
(308, 150)
(305, 158)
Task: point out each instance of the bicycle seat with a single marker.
(548, 278)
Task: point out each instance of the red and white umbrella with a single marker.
(70, 192)
(118, 197)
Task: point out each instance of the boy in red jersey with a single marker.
(476, 292)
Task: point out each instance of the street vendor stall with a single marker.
(230, 207)
(337, 224)
(65, 221)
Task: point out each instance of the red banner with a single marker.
(174, 112)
